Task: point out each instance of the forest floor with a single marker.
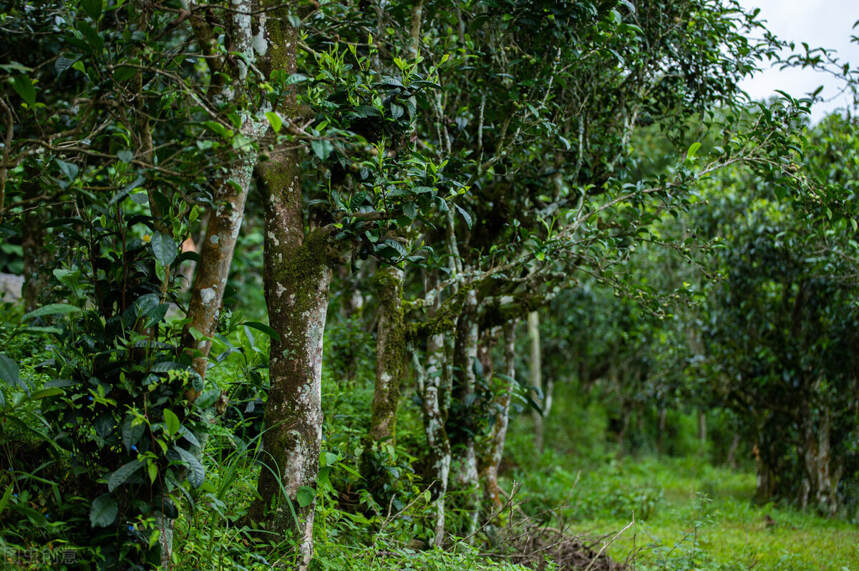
(696, 516)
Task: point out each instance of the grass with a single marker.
(690, 515)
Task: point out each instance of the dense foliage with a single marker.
(278, 261)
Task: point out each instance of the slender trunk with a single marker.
(297, 279)
(495, 445)
(37, 261)
(227, 213)
(766, 474)
(535, 370)
(702, 428)
(822, 473)
(732, 452)
(431, 388)
(660, 436)
(216, 256)
(465, 357)
(390, 353)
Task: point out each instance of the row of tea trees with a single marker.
(479, 157)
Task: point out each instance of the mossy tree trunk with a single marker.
(297, 275)
(822, 471)
(297, 278)
(231, 192)
(494, 449)
(465, 380)
(434, 390)
(390, 353)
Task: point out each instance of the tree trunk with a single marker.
(535, 370)
(822, 473)
(433, 384)
(297, 279)
(216, 256)
(390, 353)
(731, 461)
(37, 260)
(766, 474)
(465, 357)
(494, 450)
(702, 428)
(660, 437)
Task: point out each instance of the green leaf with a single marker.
(92, 36)
(219, 129)
(196, 471)
(295, 78)
(693, 148)
(103, 511)
(92, 8)
(275, 120)
(24, 87)
(465, 215)
(171, 422)
(45, 393)
(52, 309)
(125, 156)
(122, 474)
(131, 432)
(7, 495)
(9, 371)
(164, 248)
(322, 148)
(304, 496)
(264, 328)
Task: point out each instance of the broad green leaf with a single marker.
(125, 156)
(693, 148)
(164, 248)
(9, 371)
(92, 8)
(262, 327)
(122, 474)
(275, 120)
(219, 129)
(103, 511)
(131, 432)
(196, 471)
(465, 215)
(322, 148)
(7, 495)
(52, 309)
(24, 87)
(304, 496)
(171, 422)
(45, 393)
(92, 36)
(295, 78)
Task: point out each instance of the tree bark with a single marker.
(433, 385)
(297, 278)
(820, 487)
(465, 357)
(498, 435)
(390, 353)
(535, 370)
(225, 218)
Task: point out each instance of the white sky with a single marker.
(821, 23)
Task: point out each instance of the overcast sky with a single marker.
(821, 23)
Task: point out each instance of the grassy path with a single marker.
(700, 517)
